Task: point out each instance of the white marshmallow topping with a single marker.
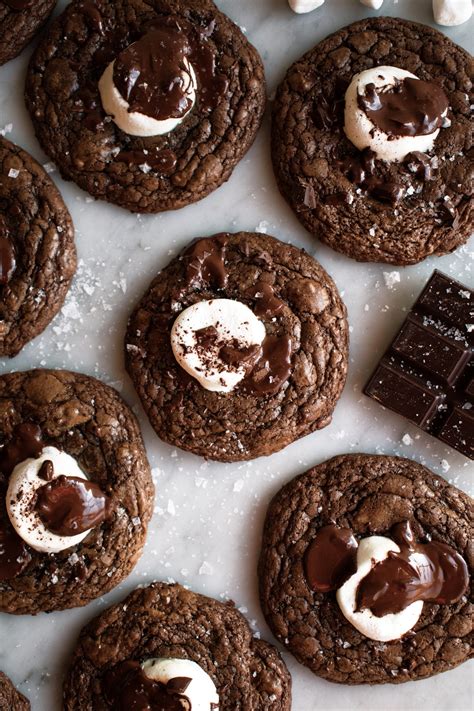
(360, 130)
(375, 549)
(234, 323)
(21, 496)
(133, 122)
(201, 691)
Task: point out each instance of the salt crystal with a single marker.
(206, 569)
(391, 278)
(13, 173)
(406, 439)
(71, 310)
(171, 508)
(239, 485)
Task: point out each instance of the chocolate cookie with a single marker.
(314, 527)
(273, 386)
(20, 20)
(37, 252)
(10, 698)
(363, 206)
(76, 490)
(167, 622)
(207, 120)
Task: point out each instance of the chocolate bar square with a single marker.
(427, 373)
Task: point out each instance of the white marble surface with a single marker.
(208, 517)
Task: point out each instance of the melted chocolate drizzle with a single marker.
(149, 74)
(128, 688)
(273, 367)
(412, 107)
(69, 505)
(436, 574)
(330, 558)
(206, 263)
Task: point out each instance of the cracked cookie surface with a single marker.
(90, 421)
(242, 425)
(63, 98)
(309, 146)
(10, 697)
(18, 27)
(35, 224)
(168, 621)
(367, 494)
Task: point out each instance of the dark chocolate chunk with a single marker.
(427, 373)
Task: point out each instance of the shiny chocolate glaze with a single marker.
(69, 505)
(127, 688)
(412, 107)
(149, 72)
(433, 572)
(330, 558)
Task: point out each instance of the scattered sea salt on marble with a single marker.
(239, 485)
(71, 310)
(171, 508)
(445, 466)
(391, 278)
(262, 227)
(406, 439)
(206, 569)
(13, 173)
(6, 129)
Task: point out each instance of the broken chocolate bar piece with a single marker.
(427, 374)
